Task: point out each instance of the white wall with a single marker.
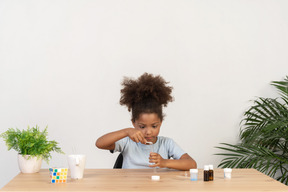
(61, 64)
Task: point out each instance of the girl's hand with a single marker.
(136, 135)
(157, 160)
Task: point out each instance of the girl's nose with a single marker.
(148, 131)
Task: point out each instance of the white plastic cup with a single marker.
(227, 173)
(193, 174)
(76, 165)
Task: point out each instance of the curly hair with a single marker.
(147, 94)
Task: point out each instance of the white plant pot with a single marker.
(29, 165)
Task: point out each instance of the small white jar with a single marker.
(193, 174)
(227, 173)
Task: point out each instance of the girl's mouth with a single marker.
(148, 138)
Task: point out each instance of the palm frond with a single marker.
(282, 87)
(242, 156)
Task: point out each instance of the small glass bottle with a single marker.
(206, 173)
(211, 173)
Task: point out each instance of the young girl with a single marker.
(145, 97)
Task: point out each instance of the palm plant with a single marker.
(263, 137)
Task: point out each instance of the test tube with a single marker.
(151, 151)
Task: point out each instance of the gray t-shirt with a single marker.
(136, 155)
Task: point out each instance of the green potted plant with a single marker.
(264, 137)
(32, 147)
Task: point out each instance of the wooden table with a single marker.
(140, 180)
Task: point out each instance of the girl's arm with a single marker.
(108, 141)
(184, 163)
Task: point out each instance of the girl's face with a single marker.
(149, 124)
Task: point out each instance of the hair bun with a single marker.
(147, 88)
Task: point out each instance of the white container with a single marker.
(193, 174)
(155, 177)
(76, 165)
(227, 173)
(28, 164)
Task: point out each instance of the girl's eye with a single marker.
(142, 127)
(155, 126)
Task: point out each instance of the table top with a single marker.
(248, 180)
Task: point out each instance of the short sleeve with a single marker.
(174, 150)
(120, 145)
